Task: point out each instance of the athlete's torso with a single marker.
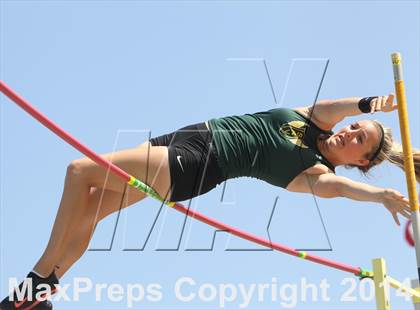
(274, 146)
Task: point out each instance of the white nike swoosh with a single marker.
(179, 161)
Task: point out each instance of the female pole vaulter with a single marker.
(295, 149)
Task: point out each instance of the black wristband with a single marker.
(364, 104)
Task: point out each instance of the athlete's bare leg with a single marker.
(79, 203)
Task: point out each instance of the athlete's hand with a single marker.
(383, 103)
(396, 203)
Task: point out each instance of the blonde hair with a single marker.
(391, 151)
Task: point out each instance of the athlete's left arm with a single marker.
(332, 111)
(329, 185)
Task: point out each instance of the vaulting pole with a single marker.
(408, 152)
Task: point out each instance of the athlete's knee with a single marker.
(78, 169)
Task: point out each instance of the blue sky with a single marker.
(110, 72)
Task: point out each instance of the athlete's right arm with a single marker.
(329, 112)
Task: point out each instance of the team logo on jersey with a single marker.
(294, 131)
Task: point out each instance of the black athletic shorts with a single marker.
(192, 161)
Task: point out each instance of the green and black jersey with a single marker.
(274, 146)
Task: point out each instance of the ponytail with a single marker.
(396, 157)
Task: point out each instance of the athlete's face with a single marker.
(351, 144)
